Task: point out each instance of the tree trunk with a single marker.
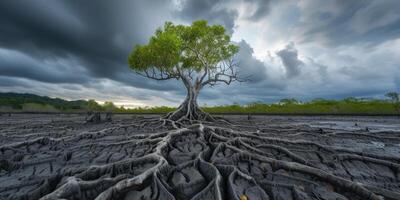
(189, 109)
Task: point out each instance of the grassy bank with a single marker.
(371, 107)
(28, 103)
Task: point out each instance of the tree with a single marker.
(92, 105)
(288, 101)
(395, 97)
(199, 55)
(350, 100)
(109, 106)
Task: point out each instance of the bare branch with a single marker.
(224, 72)
(159, 74)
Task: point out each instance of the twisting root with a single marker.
(193, 159)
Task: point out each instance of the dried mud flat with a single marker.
(266, 157)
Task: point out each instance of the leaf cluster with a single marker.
(175, 48)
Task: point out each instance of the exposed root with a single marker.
(193, 159)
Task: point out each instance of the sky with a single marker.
(305, 49)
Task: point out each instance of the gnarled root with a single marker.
(197, 161)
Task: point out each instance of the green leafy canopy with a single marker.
(184, 47)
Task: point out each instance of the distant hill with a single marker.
(20, 101)
(14, 102)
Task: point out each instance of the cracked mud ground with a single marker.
(60, 157)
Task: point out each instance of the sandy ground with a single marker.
(58, 156)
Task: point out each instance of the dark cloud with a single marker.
(6, 82)
(290, 60)
(321, 68)
(345, 22)
(262, 8)
(16, 64)
(76, 49)
(98, 35)
(249, 67)
(214, 11)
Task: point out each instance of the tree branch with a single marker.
(159, 74)
(224, 72)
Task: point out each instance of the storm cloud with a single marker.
(212, 10)
(290, 60)
(99, 36)
(74, 49)
(344, 22)
(249, 67)
(260, 9)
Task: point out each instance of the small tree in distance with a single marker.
(199, 55)
(395, 97)
(109, 106)
(93, 106)
(288, 101)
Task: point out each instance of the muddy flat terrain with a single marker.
(59, 156)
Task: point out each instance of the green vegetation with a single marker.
(347, 106)
(175, 49)
(395, 97)
(318, 106)
(199, 55)
(12, 102)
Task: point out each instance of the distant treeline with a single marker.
(31, 103)
(13, 102)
